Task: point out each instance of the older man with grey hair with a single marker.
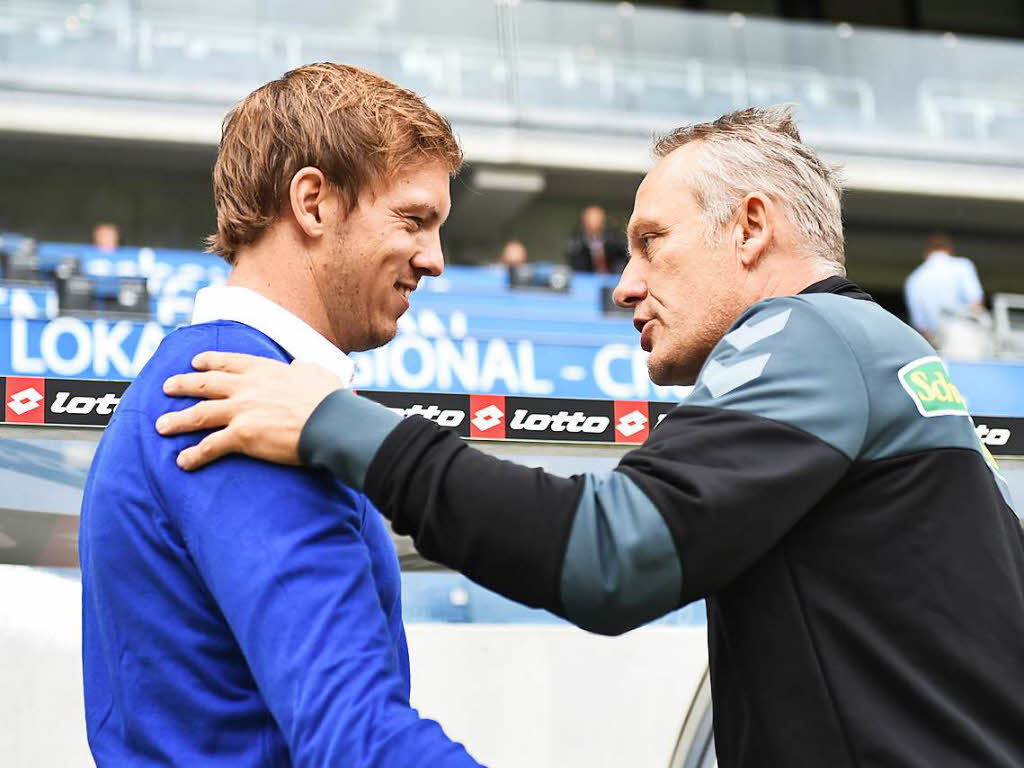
(822, 488)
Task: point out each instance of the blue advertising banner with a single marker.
(435, 353)
(117, 349)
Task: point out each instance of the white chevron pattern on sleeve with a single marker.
(750, 333)
(721, 379)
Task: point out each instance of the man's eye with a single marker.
(416, 222)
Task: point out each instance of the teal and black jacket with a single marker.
(823, 489)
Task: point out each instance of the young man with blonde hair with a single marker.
(250, 615)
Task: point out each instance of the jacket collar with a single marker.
(295, 336)
(839, 285)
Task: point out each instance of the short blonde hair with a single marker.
(760, 150)
(357, 127)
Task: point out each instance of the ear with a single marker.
(754, 229)
(307, 193)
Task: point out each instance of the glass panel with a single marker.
(42, 474)
(1013, 471)
(451, 597)
(600, 68)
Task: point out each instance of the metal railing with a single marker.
(601, 68)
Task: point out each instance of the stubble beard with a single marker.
(681, 369)
(681, 363)
(374, 337)
(351, 323)
(351, 313)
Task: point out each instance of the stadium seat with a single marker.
(19, 259)
(81, 294)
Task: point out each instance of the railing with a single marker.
(600, 68)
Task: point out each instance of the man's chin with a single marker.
(667, 374)
(375, 338)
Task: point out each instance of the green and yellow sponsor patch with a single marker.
(927, 382)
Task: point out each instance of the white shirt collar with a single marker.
(297, 338)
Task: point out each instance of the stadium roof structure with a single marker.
(552, 84)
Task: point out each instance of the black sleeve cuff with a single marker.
(342, 435)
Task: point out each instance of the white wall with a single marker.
(557, 697)
(42, 715)
(515, 695)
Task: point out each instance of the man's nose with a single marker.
(429, 262)
(632, 287)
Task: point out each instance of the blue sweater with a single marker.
(243, 615)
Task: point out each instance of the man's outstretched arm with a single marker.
(718, 483)
(516, 545)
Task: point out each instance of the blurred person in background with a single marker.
(522, 273)
(942, 294)
(251, 615)
(822, 487)
(106, 236)
(513, 253)
(593, 248)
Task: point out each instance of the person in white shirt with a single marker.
(944, 285)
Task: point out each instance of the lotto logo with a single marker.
(563, 421)
(448, 411)
(84, 403)
(488, 416)
(995, 437)
(632, 421)
(448, 418)
(24, 401)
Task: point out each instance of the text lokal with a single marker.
(563, 421)
(103, 405)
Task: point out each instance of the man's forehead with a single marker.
(421, 190)
(421, 176)
(419, 184)
(675, 167)
(665, 185)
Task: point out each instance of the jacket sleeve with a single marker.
(778, 414)
(577, 255)
(281, 552)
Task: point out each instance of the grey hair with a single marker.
(759, 150)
